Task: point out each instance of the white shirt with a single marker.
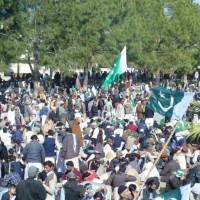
(11, 116)
(90, 105)
(5, 138)
(28, 136)
(96, 132)
(180, 158)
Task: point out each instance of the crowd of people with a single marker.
(56, 145)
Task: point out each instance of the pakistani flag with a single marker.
(90, 94)
(182, 125)
(118, 68)
(172, 104)
(181, 193)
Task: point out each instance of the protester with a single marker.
(70, 148)
(70, 168)
(170, 167)
(10, 194)
(124, 193)
(50, 181)
(50, 145)
(34, 154)
(30, 188)
(150, 190)
(73, 191)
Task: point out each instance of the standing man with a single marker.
(50, 181)
(94, 110)
(170, 167)
(43, 113)
(30, 188)
(120, 112)
(73, 191)
(149, 114)
(71, 148)
(34, 155)
(11, 115)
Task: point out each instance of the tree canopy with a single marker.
(67, 34)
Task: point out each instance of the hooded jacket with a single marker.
(73, 191)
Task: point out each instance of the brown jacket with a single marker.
(77, 131)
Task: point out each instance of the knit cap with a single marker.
(32, 172)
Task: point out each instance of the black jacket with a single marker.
(148, 112)
(53, 116)
(5, 196)
(94, 111)
(73, 191)
(30, 189)
(193, 176)
(3, 152)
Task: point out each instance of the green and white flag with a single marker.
(182, 125)
(118, 68)
(90, 94)
(181, 193)
(170, 103)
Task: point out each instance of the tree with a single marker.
(160, 35)
(10, 49)
(85, 26)
(172, 35)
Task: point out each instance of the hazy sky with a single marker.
(198, 1)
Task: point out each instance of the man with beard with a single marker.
(124, 193)
(11, 115)
(150, 190)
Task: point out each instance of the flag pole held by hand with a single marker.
(143, 184)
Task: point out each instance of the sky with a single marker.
(198, 1)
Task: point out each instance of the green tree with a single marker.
(160, 35)
(10, 49)
(172, 36)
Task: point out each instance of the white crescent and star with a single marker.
(165, 109)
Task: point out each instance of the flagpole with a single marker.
(172, 133)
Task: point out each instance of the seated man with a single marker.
(150, 190)
(95, 163)
(124, 193)
(11, 178)
(70, 168)
(10, 194)
(171, 166)
(121, 178)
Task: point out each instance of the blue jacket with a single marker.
(49, 146)
(17, 135)
(44, 110)
(34, 152)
